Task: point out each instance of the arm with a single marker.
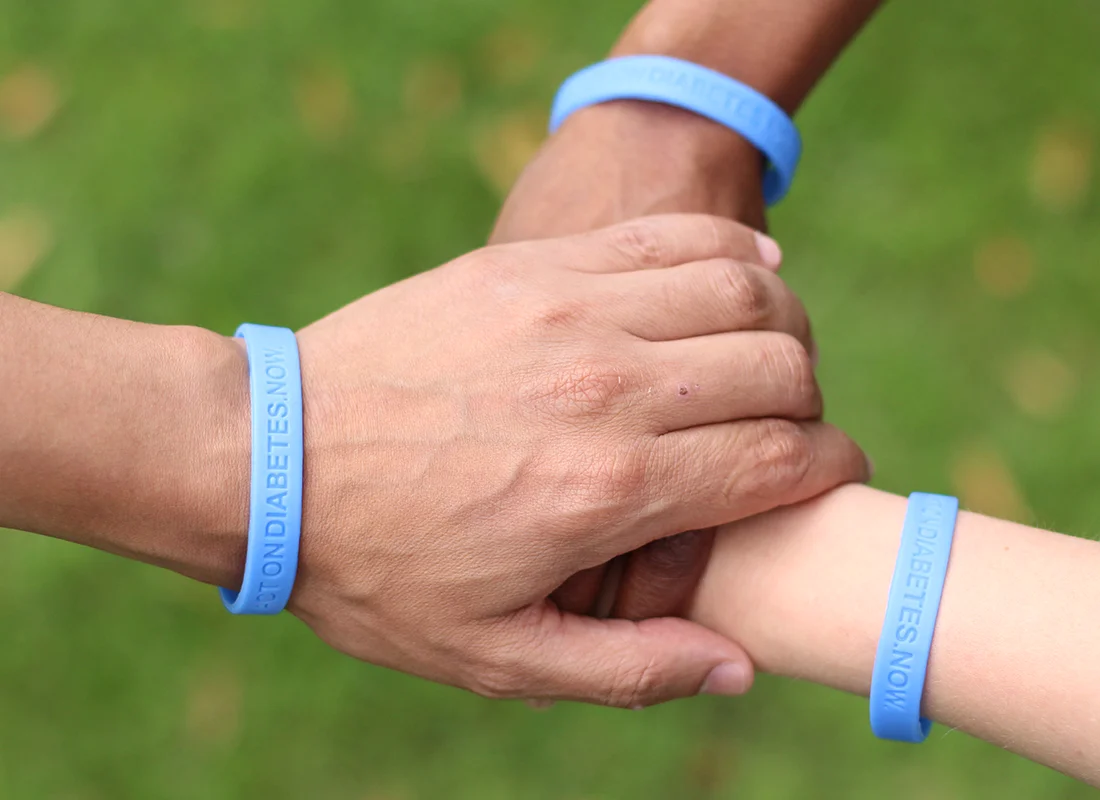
(601, 168)
(803, 589)
(466, 444)
(127, 437)
(779, 47)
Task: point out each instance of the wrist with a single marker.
(699, 165)
(127, 437)
(214, 538)
(176, 493)
(803, 589)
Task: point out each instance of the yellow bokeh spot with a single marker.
(1040, 383)
(26, 236)
(984, 483)
(212, 714)
(1005, 266)
(29, 99)
(401, 148)
(227, 15)
(322, 96)
(509, 54)
(1061, 169)
(503, 147)
(432, 88)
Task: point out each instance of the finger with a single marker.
(659, 580)
(579, 593)
(732, 376)
(622, 663)
(669, 240)
(705, 297)
(725, 472)
(591, 591)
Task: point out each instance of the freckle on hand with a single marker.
(683, 389)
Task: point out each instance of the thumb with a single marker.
(618, 662)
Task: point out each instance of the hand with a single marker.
(478, 433)
(610, 163)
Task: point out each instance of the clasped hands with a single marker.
(482, 438)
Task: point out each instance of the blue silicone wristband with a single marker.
(275, 507)
(708, 93)
(901, 662)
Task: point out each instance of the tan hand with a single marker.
(477, 434)
(611, 163)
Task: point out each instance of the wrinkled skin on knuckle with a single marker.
(742, 290)
(618, 479)
(639, 244)
(777, 458)
(788, 363)
(581, 390)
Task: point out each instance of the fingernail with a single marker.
(729, 679)
(769, 250)
(539, 705)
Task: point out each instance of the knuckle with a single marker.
(617, 478)
(744, 291)
(787, 361)
(780, 458)
(634, 684)
(640, 242)
(556, 313)
(581, 390)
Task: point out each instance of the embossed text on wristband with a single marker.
(901, 661)
(275, 507)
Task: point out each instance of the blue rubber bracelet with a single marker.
(708, 93)
(275, 509)
(901, 662)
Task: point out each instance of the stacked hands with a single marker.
(586, 462)
(558, 403)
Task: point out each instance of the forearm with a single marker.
(127, 437)
(804, 590)
(779, 47)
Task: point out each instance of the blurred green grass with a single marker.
(211, 161)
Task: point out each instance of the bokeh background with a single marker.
(212, 161)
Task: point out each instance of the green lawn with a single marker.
(212, 161)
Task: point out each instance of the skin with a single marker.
(600, 168)
(133, 438)
(473, 436)
(804, 590)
